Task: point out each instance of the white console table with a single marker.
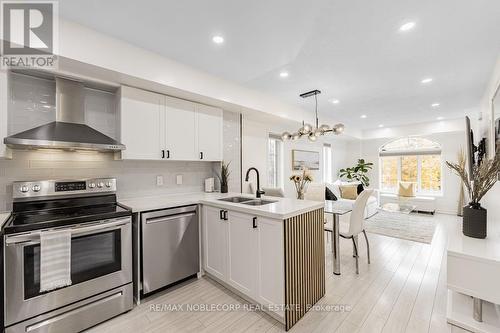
(473, 275)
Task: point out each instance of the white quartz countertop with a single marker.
(147, 203)
(281, 208)
(3, 218)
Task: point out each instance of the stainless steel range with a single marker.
(101, 256)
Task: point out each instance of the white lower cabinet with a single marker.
(243, 249)
(215, 242)
(246, 252)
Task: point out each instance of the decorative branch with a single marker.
(483, 177)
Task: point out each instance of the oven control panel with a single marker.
(62, 187)
(70, 186)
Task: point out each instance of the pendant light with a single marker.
(313, 132)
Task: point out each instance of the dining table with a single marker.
(337, 209)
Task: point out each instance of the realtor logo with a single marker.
(29, 34)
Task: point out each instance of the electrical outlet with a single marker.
(159, 180)
(179, 179)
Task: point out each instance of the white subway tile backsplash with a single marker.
(134, 178)
(32, 102)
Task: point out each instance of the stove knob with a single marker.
(92, 185)
(36, 188)
(108, 184)
(24, 188)
(100, 184)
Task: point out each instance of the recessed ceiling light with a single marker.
(407, 26)
(284, 74)
(335, 101)
(440, 118)
(218, 39)
(427, 80)
(363, 116)
(381, 125)
(435, 105)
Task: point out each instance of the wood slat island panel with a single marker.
(304, 264)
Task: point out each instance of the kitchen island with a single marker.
(270, 251)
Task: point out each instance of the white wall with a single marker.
(255, 135)
(492, 198)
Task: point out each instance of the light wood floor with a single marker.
(403, 290)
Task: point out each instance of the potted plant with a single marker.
(482, 179)
(300, 181)
(224, 176)
(358, 172)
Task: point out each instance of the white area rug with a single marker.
(414, 227)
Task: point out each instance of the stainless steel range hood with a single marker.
(69, 131)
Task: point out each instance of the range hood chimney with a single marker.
(69, 131)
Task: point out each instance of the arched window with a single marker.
(411, 159)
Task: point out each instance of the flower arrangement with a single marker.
(300, 181)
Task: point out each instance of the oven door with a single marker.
(101, 259)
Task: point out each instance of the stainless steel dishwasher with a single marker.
(170, 246)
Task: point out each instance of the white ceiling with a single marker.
(350, 50)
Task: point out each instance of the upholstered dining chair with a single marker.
(356, 225)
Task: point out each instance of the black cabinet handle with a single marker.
(163, 153)
(168, 153)
(201, 155)
(225, 215)
(255, 223)
(220, 214)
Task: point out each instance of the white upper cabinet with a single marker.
(142, 124)
(180, 131)
(209, 127)
(158, 127)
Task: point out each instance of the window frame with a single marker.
(415, 146)
(278, 164)
(418, 188)
(327, 163)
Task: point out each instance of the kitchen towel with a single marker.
(55, 259)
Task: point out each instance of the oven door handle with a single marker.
(34, 237)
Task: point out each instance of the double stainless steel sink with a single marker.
(247, 201)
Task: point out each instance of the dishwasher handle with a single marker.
(169, 218)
